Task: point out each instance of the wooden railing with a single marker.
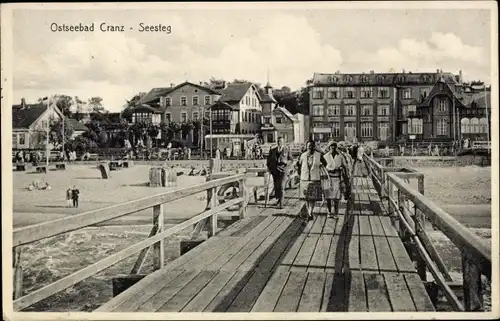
(29, 234)
(410, 210)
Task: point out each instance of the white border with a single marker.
(6, 77)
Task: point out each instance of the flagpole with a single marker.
(47, 153)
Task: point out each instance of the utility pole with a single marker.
(487, 120)
(211, 138)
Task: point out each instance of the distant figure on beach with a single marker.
(189, 153)
(217, 153)
(75, 195)
(68, 197)
(436, 150)
(429, 149)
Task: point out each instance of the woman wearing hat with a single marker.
(338, 169)
(308, 167)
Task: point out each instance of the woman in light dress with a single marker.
(308, 167)
(338, 170)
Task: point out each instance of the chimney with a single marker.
(372, 72)
(23, 103)
(460, 77)
(404, 71)
(171, 85)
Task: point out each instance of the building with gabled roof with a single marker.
(388, 106)
(30, 123)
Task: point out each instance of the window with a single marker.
(318, 110)
(442, 127)
(350, 110)
(267, 120)
(347, 78)
(350, 130)
(366, 92)
(279, 120)
(349, 92)
(318, 93)
(383, 92)
(366, 110)
(22, 139)
(412, 109)
(143, 117)
(195, 115)
(195, 100)
(44, 124)
(366, 129)
(380, 79)
(184, 117)
(401, 78)
(474, 125)
(333, 110)
(333, 93)
(207, 100)
(168, 117)
(483, 125)
(442, 105)
(407, 93)
(414, 126)
(335, 129)
(464, 125)
(333, 79)
(168, 101)
(183, 101)
(383, 110)
(383, 131)
(319, 137)
(364, 79)
(424, 92)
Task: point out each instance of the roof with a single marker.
(77, 126)
(146, 108)
(234, 92)
(371, 79)
(154, 94)
(287, 113)
(225, 105)
(436, 90)
(25, 117)
(481, 99)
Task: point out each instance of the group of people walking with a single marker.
(324, 175)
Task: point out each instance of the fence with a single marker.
(208, 218)
(411, 209)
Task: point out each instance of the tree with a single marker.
(64, 102)
(56, 132)
(303, 100)
(96, 104)
(130, 104)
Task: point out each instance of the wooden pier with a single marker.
(373, 258)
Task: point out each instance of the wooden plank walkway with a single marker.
(275, 261)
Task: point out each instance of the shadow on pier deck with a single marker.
(273, 260)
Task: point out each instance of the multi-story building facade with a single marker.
(386, 107)
(184, 104)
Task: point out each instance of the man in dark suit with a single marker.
(277, 164)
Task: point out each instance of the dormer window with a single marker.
(333, 79)
(348, 78)
(425, 79)
(364, 78)
(401, 78)
(380, 79)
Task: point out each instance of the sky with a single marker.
(289, 45)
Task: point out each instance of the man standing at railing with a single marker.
(277, 164)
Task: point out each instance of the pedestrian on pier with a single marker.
(308, 167)
(75, 195)
(277, 164)
(68, 197)
(338, 168)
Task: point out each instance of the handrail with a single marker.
(28, 234)
(156, 238)
(88, 271)
(456, 232)
(476, 254)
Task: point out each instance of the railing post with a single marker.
(399, 203)
(421, 265)
(18, 272)
(473, 296)
(421, 189)
(159, 247)
(243, 193)
(382, 183)
(213, 225)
